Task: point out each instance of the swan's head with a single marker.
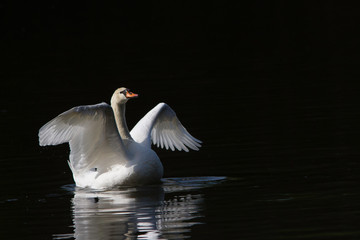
(122, 95)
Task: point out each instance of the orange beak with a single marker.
(131, 94)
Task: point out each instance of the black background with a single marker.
(270, 87)
(259, 66)
(138, 40)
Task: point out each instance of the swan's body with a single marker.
(104, 154)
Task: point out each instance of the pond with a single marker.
(279, 161)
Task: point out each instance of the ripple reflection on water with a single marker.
(163, 211)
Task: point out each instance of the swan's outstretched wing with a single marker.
(86, 128)
(163, 128)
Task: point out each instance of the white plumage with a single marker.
(164, 129)
(104, 154)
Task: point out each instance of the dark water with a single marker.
(278, 161)
(263, 85)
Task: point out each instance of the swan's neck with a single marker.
(119, 113)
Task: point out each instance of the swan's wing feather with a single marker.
(163, 128)
(65, 126)
(84, 127)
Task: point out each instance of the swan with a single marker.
(104, 154)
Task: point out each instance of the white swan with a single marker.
(104, 154)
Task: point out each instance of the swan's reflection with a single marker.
(131, 213)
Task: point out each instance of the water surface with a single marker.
(284, 165)
(166, 211)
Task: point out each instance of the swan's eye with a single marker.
(124, 92)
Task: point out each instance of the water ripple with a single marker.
(166, 211)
